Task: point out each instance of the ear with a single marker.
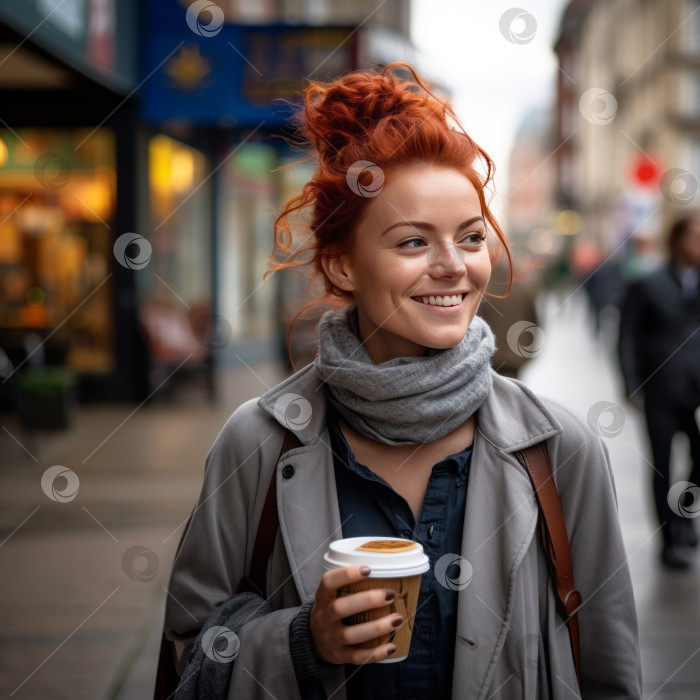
(339, 272)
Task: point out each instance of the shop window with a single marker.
(247, 207)
(692, 17)
(57, 198)
(175, 287)
(693, 82)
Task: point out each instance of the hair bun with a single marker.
(348, 111)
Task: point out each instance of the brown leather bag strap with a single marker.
(267, 531)
(535, 459)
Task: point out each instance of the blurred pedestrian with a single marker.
(503, 312)
(400, 428)
(659, 351)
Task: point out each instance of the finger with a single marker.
(335, 578)
(353, 603)
(360, 657)
(366, 631)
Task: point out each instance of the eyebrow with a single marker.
(424, 226)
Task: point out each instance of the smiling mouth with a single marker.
(441, 300)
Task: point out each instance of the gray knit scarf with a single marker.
(406, 400)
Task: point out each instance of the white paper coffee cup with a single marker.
(395, 563)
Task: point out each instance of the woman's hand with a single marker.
(332, 639)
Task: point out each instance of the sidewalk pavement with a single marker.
(580, 370)
(84, 580)
(83, 584)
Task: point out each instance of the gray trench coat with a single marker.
(511, 641)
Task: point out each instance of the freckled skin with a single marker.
(384, 271)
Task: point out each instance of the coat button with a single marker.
(431, 530)
(288, 471)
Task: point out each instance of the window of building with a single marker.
(693, 93)
(692, 24)
(175, 295)
(57, 198)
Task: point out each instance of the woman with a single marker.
(404, 430)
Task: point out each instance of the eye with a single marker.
(407, 244)
(474, 238)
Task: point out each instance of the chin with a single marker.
(445, 342)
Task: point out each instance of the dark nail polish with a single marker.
(391, 651)
(390, 595)
(396, 622)
(365, 570)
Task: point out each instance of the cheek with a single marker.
(480, 272)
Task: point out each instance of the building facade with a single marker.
(628, 117)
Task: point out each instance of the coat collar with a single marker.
(511, 418)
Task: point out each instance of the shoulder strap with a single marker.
(535, 459)
(267, 531)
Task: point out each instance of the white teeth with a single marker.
(452, 300)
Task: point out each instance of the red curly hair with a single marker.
(384, 119)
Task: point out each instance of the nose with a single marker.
(447, 260)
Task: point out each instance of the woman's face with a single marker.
(422, 237)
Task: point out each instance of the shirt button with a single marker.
(288, 471)
(431, 530)
(406, 533)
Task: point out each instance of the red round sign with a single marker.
(645, 171)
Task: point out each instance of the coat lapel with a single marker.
(500, 520)
(307, 501)
(309, 515)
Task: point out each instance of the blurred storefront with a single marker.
(55, 245)
(68, 186)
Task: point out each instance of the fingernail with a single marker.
(364, 570)
(397, 622)
(390, 595)
(391, 651)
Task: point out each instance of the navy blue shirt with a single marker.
(370, 506)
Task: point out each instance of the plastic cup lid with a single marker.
(386, 556)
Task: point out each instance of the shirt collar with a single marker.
(458, 461)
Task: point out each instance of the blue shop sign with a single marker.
(203, 71)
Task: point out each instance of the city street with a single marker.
(83, 580)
